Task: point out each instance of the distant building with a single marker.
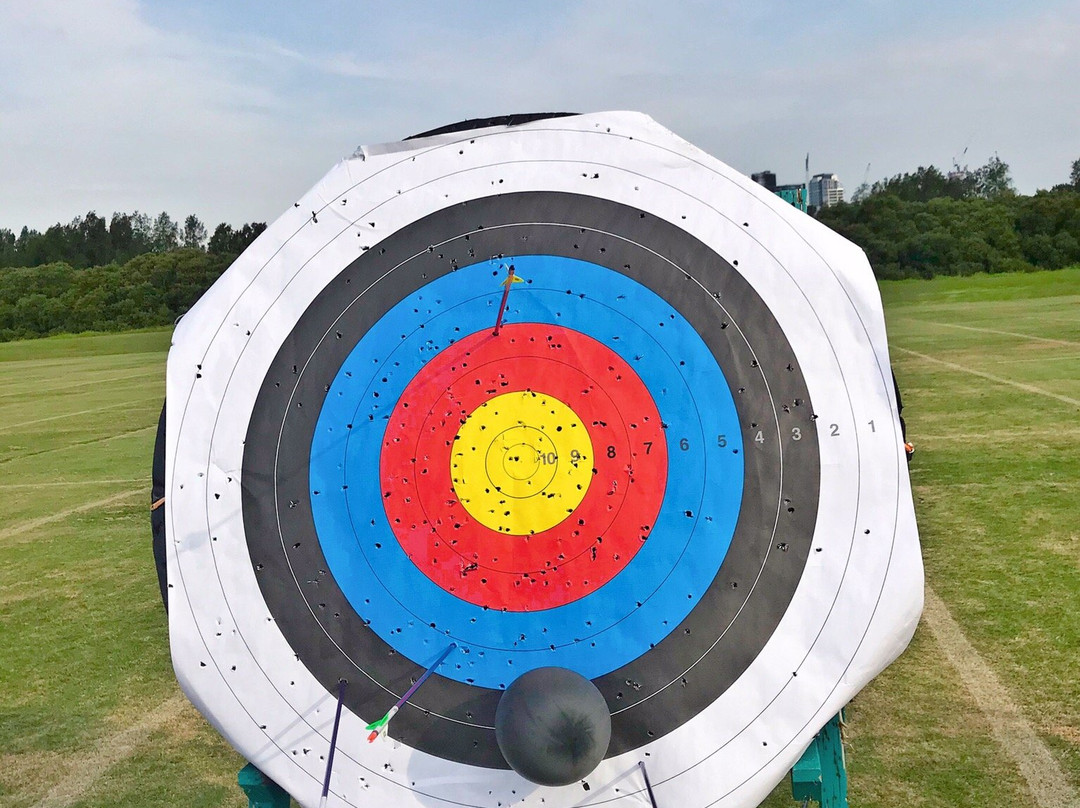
(766, 178)
(793, 195)
(825, 190)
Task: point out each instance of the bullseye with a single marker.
(521, 463)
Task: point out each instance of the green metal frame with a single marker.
(261, 791)
(821, 774)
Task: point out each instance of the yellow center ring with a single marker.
(521, 463)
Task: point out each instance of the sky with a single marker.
(231, 110)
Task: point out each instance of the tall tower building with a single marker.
(825, 190)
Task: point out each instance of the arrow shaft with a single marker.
(379, 727)
(426, 674)
(502, 305)
(333, 741)
(648, 783)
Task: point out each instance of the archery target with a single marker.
(674, 468)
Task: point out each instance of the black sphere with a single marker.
(553, 726)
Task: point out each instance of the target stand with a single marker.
(561, 394)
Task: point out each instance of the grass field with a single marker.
(986, 698)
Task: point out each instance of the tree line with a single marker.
(93, 274)
(928, 222)
(91, 240)
(136, 271)
(152, 289)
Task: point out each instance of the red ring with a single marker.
(583, 552)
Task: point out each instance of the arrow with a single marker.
(648, 784)
(511, 279)
(378, 728)
(333, 742)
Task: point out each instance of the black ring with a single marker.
(699, 659)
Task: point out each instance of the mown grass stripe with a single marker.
(979, 329)
(84, 770)
(1028, 388)
(77, 444)
(72, 385)
(11, 427)
(24, 527)
(69, 483)
(1011, 729)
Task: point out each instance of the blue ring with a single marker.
(597, 633)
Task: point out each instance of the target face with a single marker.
(554, 424)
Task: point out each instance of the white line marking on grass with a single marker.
(81, 445)
(70, 483)
(993, 331)
(1010, 728)
(71, 385)
(9, 427)
(1029, 388)
(11, 532)
(86, 769)
(1005, 433)
(1058, 356)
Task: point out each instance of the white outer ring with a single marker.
(859, 598)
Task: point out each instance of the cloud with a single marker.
(103, 110)
(760, 87)
(923, 99)
(234, 113)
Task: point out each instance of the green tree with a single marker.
(227, 241)
(221, 242)
(1074, 175)
(992, 179)
(926, 183)
(193, 236)
(91, 243)
(862, 192)
(129, 235)
(122, 237)
(248, 233)
(151, 289)
(142, 231)
(165, 234)
(54, 244)
(8, 254)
